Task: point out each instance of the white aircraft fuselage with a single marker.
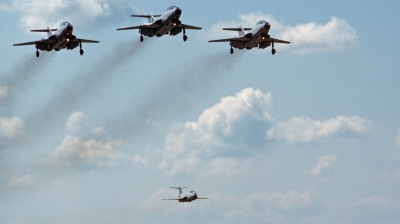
(168, 20)
(62, 36)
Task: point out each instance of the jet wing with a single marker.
(148, 26)
(279, 41)
(202, 198)
(244, 39)
(189, 27)
(45, 41)
(84, 40)
(172, 199)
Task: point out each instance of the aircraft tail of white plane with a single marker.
(150, 17)
(49, 31)
(240, 30)
(180, 189)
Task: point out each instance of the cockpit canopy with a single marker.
(171, 7)
(64, 23)
(261, 22)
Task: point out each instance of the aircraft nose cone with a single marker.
(70, 27)
(178, 11)
(267, 25)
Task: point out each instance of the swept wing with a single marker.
(244, 39)
(44, 41)
(148, 26)
(189, 27)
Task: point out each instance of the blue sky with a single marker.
(308, 135)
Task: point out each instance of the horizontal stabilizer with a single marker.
(145, 16)
(43, 30)
(236, 29)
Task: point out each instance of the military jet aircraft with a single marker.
(187, 197)
(257, 36)
(61, 39)
(169, 23)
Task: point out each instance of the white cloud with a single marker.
(3, 92)
(26, 180)
(235, 126)
(303, 129)
(141, 160)
(324, 162)
(73, 123)
(38, 14)
(336, 34)
(12, 128)
(98, 131)
(74, 152)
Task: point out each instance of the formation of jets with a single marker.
(186, 197)
(168, 23)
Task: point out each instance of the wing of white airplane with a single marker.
(84, 40)
(244, 39)
(189, 27)
(202, 198)
(148, 26)
(279, 41)
(172, 199)
(45, 41)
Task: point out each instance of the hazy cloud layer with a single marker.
(3, 92)
(12, 128)
(397, 139)
(324, 162)
(26, 180)
(303, 129)
(334, 35)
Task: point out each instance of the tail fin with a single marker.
(180, 189)
(241, 31)
(150, 17)
(48, 31)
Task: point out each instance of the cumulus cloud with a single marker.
(26, 180)
(12, 128)
(83, 154)
(39, 14)
(74, 120)
(334, 35)
(227, 129)
(303, 129)
(324, 162)
(3, 92)
(240, 126)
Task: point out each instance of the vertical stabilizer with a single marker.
(49, 32)
(241, 31)
(180, 189)
(150, 19)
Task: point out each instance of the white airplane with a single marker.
(187, 197)
(61, 39)
(256, 37)
(169, 23)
